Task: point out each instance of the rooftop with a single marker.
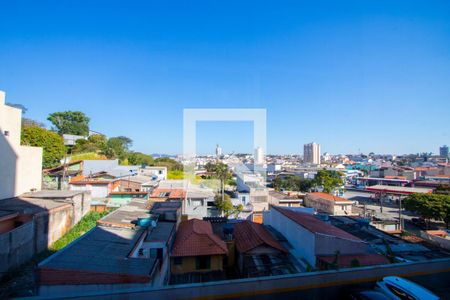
(102, 252)
(314, 225)
(397, 189)
(55, 194)
(125, 216)
(329, 197)
(251, 235)
(195, 237)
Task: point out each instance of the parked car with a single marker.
(368, 295)
(398, 288)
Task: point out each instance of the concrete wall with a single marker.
(302, 240)
(315, 285)
(328, 245)
(17, 247)
(52, 225)
(20, 166)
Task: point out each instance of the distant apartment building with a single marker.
(20, 166)
(218, 151)
(443, 151)
(259, 157)
(330, 204)
(311, 153)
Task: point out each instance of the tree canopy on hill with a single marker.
(70, 122)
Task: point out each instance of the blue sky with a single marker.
(350, 75)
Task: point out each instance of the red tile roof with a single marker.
(173, 193)
(363, 259)
(315, 225)
(195, 237)
(330, 197)
(251, 235)
(90, 182)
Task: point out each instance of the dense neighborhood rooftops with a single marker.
(100, 256)
(249, 235)
(329, 197)
(195, 238)
(314, 225)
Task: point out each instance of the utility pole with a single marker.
(400, 218)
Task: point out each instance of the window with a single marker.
(203, 262)
(6, 133)
(160, 172)
(178, 261)
(196, 202)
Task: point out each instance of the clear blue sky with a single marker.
(368, 75)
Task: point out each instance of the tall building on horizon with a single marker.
(218, 151)
(259, 156)
(311, 153)
(443, 151)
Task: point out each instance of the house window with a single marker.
(178, 261)
(160, 172)
(342, 207)
(197, 203)
(203, 262)
(6, 133)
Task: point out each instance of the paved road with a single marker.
(390, 210)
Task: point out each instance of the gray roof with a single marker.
(95, 166)
(53, 194)
(30, 205)
(162, 232)
(102, 250)
(125, 215)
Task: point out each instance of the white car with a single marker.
(398, 288)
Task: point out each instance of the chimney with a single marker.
(2, 97)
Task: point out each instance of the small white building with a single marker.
(20, 166)
(329, 204)
(157, 173)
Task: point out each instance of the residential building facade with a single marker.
(20, 166)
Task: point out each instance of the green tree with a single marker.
(430, 206)
(138, 158)
(328, 180)
(51, 142)
(443, 189)
(118, 147)
(292, 183)
(70, 122)
(224, 204)
(168, 162)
